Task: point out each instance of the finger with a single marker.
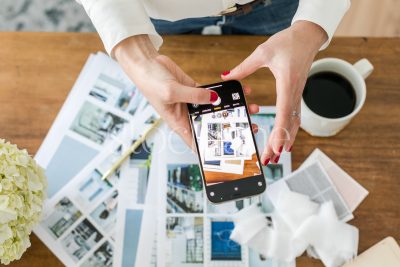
(253, 108)
(295, 124)
(185, 132)
(179, 93)
(280, 133)
(254, 128)
(267, 155)
(275, 159)
(244, 69)
(246, 90)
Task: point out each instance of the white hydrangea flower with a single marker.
(22, 193)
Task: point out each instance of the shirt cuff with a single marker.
(325, 13)
(116, 20)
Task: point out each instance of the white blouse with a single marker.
(116, 20)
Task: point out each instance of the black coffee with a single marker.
(329, 95)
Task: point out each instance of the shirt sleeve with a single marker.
(325, 13)
(116, 20)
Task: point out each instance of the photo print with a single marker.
(91, 189)
(116, 93)
(273, 172)
(105, 214)
(184, 241)
(184, 189)
(102, 257)
(96, 124)
(140, 159)
(222, 247)
(81, 240)
(64, 214)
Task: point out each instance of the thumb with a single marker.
(244, 69)
(193, 95)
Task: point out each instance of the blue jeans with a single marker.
(267, 19)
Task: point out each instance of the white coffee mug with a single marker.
(317, 125)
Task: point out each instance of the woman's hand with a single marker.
(167, 87)
(162, 82)
(289, 55)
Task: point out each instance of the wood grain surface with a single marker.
(37, 71)
(250, 168)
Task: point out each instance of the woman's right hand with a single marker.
(167, 87)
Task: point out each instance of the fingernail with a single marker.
(280, 149)
(266, 161)
(226, 72)
(290, 149)
(213, 96)
(276, 159)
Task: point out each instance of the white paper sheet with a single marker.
(136, 222)
(352, 192)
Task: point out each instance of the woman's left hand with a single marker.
(289, 55)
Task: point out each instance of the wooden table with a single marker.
(37, 71)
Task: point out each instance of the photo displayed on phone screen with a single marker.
(224, 138)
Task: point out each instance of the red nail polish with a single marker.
(280, 149)
(276, 159)
(290, 149)
(266, 161)
(226, 72)
(213, 96)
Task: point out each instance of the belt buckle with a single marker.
(227, 11)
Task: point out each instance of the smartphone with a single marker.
(225, 143)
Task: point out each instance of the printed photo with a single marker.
(222, 247)
(214, 149)
(214, 131)
(184, 189)
(91, 189)
(80, 240)
(141, 160)
(273, 172)
(151, 119)
(96, 124)
(105, 214)
(102, 257)
(62, 217)
(116, 94)
(184, 243)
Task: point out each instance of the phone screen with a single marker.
(225, 143)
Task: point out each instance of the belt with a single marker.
(241, 9)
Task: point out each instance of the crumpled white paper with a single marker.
(298, 224)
